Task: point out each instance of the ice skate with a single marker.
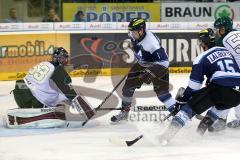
(171, 131)
(205, 123)
(218, 126)
(122, 115)
(234, 124)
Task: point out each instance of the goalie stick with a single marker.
(96, 109)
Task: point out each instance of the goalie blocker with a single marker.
(80, 104)
(47, 117)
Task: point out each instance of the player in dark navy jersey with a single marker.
(151, 66)
(219, 67)
(216, 120)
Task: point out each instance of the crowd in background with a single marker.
(106, 1)
(52, 15)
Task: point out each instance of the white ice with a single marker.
(92, 141)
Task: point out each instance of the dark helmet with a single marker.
(136, 24)
(225, 22)
(207, 36)
(60, 56)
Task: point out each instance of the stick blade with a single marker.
(83, 124)
(120, 142)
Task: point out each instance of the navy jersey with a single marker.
(218, 66)
(149, 50)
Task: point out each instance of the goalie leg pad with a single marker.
(35, 118)
(83, 107)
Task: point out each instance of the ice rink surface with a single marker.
(92, 141)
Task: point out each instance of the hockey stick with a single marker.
(140, 109)
(199, 117)
(121, 142)
(109, 109)
(96, 109)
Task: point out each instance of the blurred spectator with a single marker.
(79, 17)
(12, 17)
(51, 17)
(81, 1)
(219, 0)
(211, 0)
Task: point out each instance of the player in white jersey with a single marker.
(224, 26)
(232, 42)
(46, 83)
(215, 120)
(152, 66)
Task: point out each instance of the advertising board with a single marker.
(112, 12)
(197, 12)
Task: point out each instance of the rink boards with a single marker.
(102, 53)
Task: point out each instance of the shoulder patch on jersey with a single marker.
(150, 43)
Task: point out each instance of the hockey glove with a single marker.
(146, 76)
(176, 109)
(180, 100)
(153, 71)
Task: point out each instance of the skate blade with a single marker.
(217, 133)
(118, 122)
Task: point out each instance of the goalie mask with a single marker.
(206, 38)
(60, 56)
(137, 29)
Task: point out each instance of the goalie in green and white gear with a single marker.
(47, 85)
(232, 42)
